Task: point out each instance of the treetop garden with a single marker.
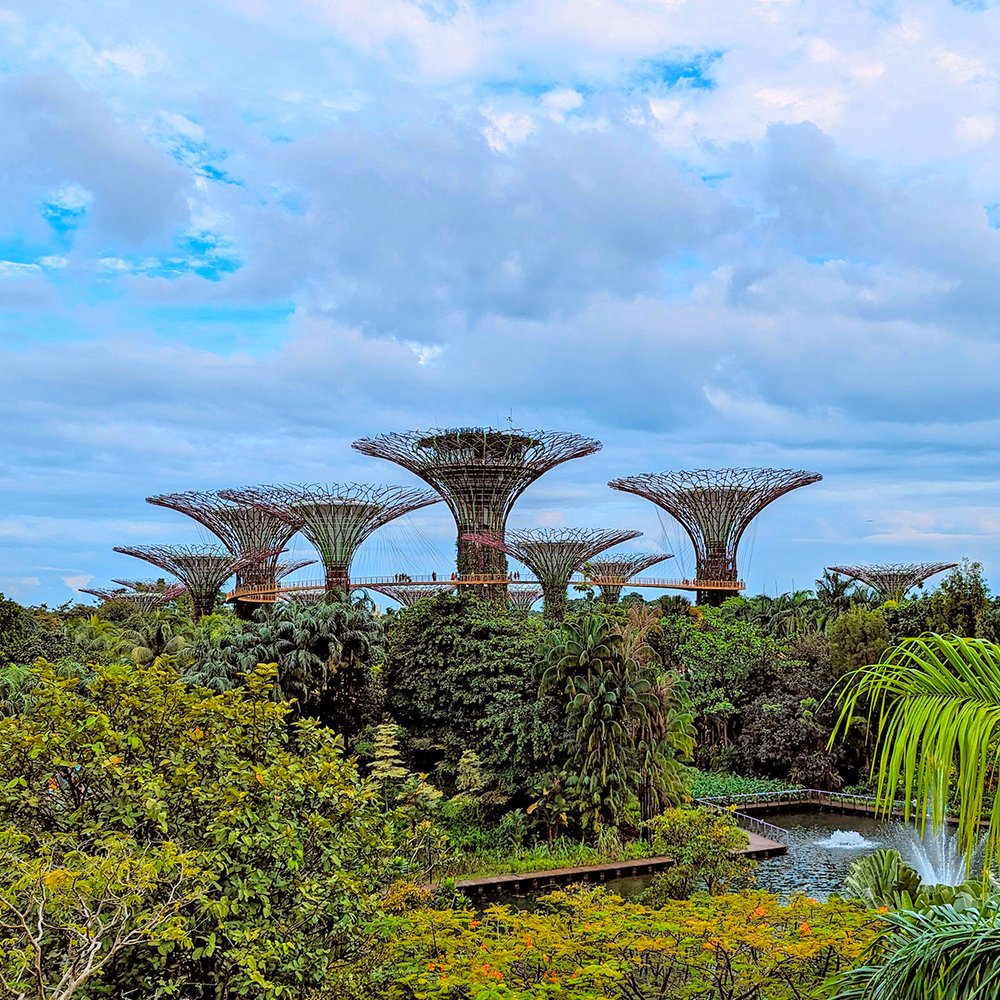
(287, 793)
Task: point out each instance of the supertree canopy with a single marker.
(141, 598)
(715, 507)
(408, 595)
(203, 569)
(241, 527)
(611, 573)
(480, 472)
(335, 518)
(555, 554)
(523, 596)
(891, 581)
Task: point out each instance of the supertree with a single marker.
(160, 586)
(523, 596)
(203, 569)
(715, 507)
(142, 600)
(611, 573)
(335, 518)
(241, 528)
(480, 472)
(555, 554)
(408, 595)
(891, 581)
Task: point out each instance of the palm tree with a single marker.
(935, 705)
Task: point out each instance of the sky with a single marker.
(235, 235)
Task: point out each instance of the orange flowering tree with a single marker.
(588, 944)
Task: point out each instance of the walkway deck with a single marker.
(492, 886)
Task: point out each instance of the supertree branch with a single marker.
(240, 527)
(284, 569)
(611, 573)
(523, 596)
(201, 568)
(555, 554)
(715, 507)
(892, 581)
(480, 472)
(406, 595)
(335, 518)
(153, 586)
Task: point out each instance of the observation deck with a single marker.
(268, 595)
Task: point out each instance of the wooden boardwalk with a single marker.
(527, 883)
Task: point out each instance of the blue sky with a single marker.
(237, 234)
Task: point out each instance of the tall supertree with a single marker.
(242, 528)
(523, 596)
(715, 507)
(891, 581)
(480, 472)
(203, 569)
(555, 554)
(611, 573)
(406, 594)
(335, 518)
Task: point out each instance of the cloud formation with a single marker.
(234, 239)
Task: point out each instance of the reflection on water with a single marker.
(821, 849)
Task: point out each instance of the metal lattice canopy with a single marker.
(480, 472)
(715, 507)
(242, 528)
(284, 569)
(336, 518)
(891, 581)
(523, 596)
(611, 573)
(408, 596)
(555, 554)
(153, 587)
(201, 568)
(141, 600)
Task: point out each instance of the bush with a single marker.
(588, 944)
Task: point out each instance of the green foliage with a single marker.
(625, 723)
(946, 952)
(959, 601)
(66, 913)
(701, 843)
(857, 638)
(880, 879)
(711, 784)
(934, 705)
(590, 945)
(462, 672)
(287, 838)
(324, 654)
(721, 658)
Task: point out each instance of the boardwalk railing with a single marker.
(266, 594)
(752, 824)
(800, 796)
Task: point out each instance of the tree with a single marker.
(288, 838)
(324, 654)
(463, 672)
(959, 601)
(857, 637)
(625, 728)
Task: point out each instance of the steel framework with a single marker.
(555, 554)
(335, 518)
(892, 581)
(406, 595)
(201, 568)
(523, 596)
(715, 507)
(480, 472)
(611, 573)
(240, 527)
(141, 598)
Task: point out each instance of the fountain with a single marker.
(935, 854)
(847, 840)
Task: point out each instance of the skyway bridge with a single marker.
(267, 595)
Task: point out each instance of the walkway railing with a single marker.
(799, 796)
(264, 594)
(753, 824)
